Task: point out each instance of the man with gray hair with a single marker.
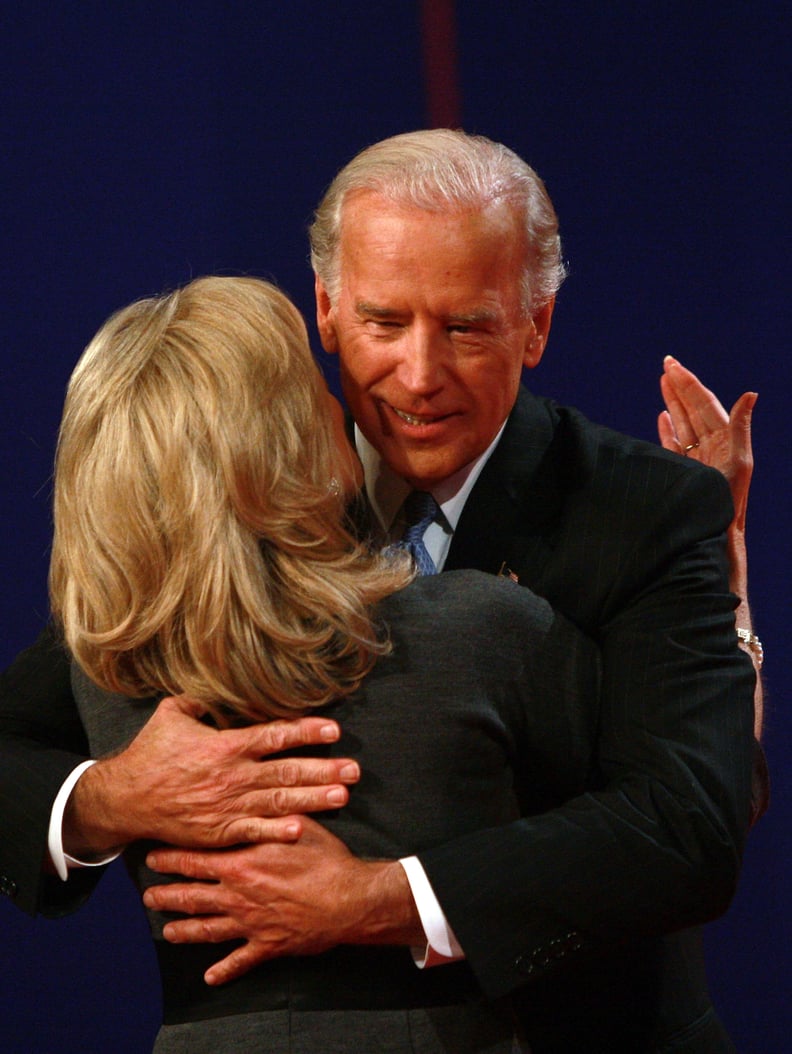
(437, 262)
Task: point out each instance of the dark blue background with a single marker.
(147, 143)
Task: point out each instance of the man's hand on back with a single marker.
(298, 898)
(185, 783)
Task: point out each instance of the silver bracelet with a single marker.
(754, 645)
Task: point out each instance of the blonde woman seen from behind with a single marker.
(203, 547)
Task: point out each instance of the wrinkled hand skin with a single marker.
(185, 783)
(297, 898)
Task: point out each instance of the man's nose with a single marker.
(422, 364)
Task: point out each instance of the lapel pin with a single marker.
(506, 573)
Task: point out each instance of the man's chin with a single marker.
(422, 473)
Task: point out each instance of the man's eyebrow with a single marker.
(478, 317)
(481, 316)
(364, 307)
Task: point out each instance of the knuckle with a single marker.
(205, 930)
(277, 735)
(181, 900)
(329, 771)
(250, 830)
(289, 774)
(280, 802)
(183, 861)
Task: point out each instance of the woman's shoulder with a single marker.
(468, 599)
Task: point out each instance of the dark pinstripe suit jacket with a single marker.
(582, 905)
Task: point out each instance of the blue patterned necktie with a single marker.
(420, 509)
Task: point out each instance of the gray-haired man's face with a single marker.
(430, 330)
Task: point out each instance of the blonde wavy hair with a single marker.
(199, 544)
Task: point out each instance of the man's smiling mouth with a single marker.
(414, 419)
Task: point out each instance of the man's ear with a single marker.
(537, 339)
(324, 318)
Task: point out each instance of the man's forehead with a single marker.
(362, 209)
(461, 264)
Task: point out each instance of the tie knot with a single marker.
(420, 509)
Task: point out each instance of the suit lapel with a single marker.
(512, 511)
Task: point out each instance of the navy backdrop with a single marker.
(146, 143)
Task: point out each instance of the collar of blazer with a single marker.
(512, 510)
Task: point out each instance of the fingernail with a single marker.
(668, 359)
(329, 733)
(292, 830)
(337, 797)
(350, 772)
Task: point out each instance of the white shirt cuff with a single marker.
(62, 861)
(442, 945)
